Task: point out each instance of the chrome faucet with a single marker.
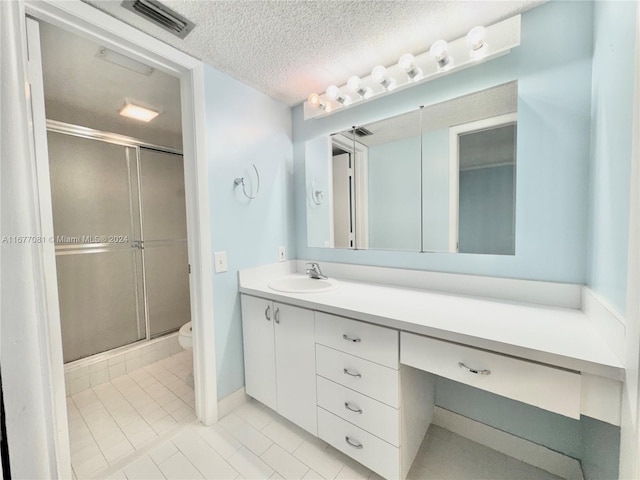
(314, 271)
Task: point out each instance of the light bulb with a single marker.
(407, 62)
(475, 38)
(314, 100)
(333, 92)
(478, 48)
(366, 93)
(439, 52)
(379, 74)
(354, 84)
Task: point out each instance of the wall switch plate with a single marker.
(220, 259)
(281, 254)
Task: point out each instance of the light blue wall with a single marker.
(612, 111)
(553, 69)
(244, 127)
(394, 195)
(319, 178)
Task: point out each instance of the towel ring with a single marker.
(240, 181)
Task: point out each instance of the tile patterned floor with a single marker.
(143, 427)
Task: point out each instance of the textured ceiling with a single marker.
(289, 49)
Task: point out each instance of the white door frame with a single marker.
(360, 154)
(454, 167)
(90, 23)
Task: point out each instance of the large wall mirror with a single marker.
(440, 178)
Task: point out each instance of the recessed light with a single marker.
(138, 112)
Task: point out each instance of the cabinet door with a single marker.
(259, 350)
(296, 365)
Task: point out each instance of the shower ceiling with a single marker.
(288, 49)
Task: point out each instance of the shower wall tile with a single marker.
(81, 375)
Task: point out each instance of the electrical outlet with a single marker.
(281, 254)
(220, 259)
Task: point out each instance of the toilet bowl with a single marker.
(184, 337)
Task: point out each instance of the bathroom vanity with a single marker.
(355, 363)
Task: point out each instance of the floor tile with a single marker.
(202, 456)
(143, 469)
(178, 467)
(249, 465)
(318, 459)
(284, 463)
(254, 414)
(252, 438)
(218, 438)
(163, 451)
(285, 434)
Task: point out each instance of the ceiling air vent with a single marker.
(362, 132)
(162, 16)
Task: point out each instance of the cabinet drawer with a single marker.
(546, 387)
(375, 417)
(370, 451)
(371, 342)
(371, 379)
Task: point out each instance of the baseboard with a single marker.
(524, 450)
(229, 403)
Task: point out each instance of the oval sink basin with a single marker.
(302, 284)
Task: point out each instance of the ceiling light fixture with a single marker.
(479, 44)
(138, 112)
(124, 61)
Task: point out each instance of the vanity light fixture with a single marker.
(480, 44)
(478, 47)
(355, 85)
(138, 112)
(439, 51)
(333, 93)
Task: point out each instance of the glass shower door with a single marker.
(99, 265)
(164, 234)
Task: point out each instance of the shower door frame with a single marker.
(79, 131)
(88, 22)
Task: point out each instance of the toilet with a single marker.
(184, 337)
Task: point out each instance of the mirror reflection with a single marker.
(436, 179)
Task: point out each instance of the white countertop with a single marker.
(557, 336)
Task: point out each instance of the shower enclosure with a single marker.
(121, 239)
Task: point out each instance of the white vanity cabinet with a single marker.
(279, 359)
(370, 406)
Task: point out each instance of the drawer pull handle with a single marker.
(473, 370)
(351, 374)
(276, 315)
(351, 339)
(348, 406)
(267, 313)
(357, 445)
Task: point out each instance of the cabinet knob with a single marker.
(474, 370)
(267, 312)
(352, 374)
(354, 444)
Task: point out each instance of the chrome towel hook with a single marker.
(240, 181)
